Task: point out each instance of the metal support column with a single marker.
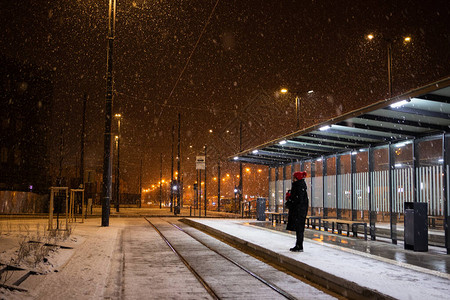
(284, 186)
(446, 156)
(353, 194)
(338, 186)
(276, 189)
(270, 191)
(415, 151)
(393, 216)
(372, 212)
(324, 186)
(313, 174)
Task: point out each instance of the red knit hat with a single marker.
(300, 175)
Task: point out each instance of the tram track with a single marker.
(231, 266)
(199, 278)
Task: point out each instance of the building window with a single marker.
(4, 155)
(17, 157)
(19, 124)
(5, 123)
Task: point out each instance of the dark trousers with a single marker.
(300, 231)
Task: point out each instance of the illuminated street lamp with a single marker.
(297, 102)
(389, 42)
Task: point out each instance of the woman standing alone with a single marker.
(297, 203)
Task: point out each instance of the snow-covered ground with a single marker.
(79, 268)
(89, 264)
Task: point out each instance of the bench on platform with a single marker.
(433, 220)
(338, 223)
(277, 216)
(313, 220)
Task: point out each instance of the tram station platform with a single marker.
(375, 268)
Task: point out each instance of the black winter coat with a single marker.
(299, 207)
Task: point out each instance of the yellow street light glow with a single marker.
(163, 181)
(407, 39)
(228, 175)
(370, 36)
(259, 170)
(117, 115)
(210, 131)
(284, 91)
(215, 178)
(247, 170)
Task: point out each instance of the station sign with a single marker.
(200, 162)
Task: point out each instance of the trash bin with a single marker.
(261, 209)
(416, 227)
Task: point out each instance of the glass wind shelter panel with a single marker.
(361, 184)
(287, 179)
(280, 191)
(430, 182)
(307, 169)
(402, 176)
(344, 185)
(272, 189)
(380, 183)
(287, 184)
(330, 187)
(317, 184)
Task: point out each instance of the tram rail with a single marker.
(202, 280)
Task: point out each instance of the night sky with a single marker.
(246, 52)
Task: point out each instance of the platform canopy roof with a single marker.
(420, 112)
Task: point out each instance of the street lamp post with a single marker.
(160, 182)
(119, 117)
(297, 103)
(389, 57)
(107, 161)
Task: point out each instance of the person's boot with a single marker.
(296, 249)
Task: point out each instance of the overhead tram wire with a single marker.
(231, 111)
(188, 60)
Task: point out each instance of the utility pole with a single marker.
(83, 128)
(119, 137)
(200, 194)
(160, 182)
(107, 162)
(171, 171)
(61, 146)
(218, 185)
(240, 167)
(140, 185)
(178, 210)
(206, 198)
